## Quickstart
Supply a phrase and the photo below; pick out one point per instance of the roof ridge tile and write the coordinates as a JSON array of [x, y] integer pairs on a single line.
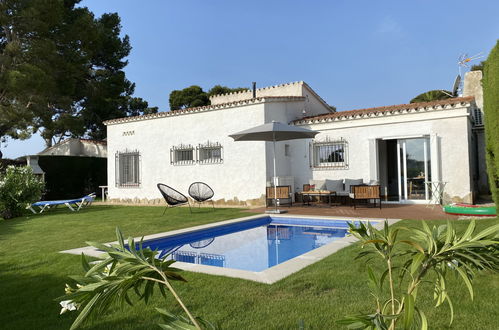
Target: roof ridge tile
[[387, 109], [260, 99]]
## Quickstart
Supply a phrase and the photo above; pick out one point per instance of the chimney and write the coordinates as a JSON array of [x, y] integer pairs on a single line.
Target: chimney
[[254, 89]]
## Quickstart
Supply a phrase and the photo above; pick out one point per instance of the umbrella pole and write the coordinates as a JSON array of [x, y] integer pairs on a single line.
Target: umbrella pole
[[275, 179]]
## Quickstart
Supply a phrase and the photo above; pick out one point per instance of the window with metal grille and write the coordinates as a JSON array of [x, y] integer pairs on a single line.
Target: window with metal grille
[[182, 155], [329, 154], [127, 169], [210, 153]]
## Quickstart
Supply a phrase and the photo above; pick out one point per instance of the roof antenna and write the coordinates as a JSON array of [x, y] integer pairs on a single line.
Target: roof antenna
[[254, 89], [462, 62]]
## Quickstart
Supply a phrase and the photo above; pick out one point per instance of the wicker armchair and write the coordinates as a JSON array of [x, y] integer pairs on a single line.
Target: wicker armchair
[[172, 197], [201, 192], [283, 193], [366, 193]]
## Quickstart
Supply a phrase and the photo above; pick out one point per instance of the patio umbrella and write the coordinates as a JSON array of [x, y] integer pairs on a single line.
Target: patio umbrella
[[274, 131]]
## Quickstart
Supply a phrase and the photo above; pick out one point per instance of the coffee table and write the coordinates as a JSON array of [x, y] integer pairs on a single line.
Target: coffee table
[[317, 193]]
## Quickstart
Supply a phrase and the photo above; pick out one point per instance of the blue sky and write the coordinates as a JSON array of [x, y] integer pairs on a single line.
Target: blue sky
[[355, 54]]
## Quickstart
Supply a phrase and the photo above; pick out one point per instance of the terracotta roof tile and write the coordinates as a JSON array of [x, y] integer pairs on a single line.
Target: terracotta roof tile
[[386, 109], [203, 108]]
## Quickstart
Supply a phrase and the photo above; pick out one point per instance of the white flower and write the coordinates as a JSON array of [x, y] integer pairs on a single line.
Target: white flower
[[67, 305], [107, 270]]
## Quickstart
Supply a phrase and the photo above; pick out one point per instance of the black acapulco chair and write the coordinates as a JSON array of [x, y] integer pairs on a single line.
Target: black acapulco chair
[[201, 192], [172, 197]]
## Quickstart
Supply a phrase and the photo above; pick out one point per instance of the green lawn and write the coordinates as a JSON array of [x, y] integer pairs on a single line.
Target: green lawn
[[33, 273]]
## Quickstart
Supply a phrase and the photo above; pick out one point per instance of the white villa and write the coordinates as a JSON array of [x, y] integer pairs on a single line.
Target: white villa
[[400, 146]]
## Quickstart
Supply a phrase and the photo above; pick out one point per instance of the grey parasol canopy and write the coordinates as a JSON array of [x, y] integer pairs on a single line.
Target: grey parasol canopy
[[274, 131]]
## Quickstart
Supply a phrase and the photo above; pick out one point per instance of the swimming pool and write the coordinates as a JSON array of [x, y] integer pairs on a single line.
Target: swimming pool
[[254, 245], [259, 248]]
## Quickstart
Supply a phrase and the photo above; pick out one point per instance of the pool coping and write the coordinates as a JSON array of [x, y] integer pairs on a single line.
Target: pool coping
[[268, 276]]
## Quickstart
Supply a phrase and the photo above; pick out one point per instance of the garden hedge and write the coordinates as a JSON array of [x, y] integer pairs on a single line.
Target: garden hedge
[[72, 177], [490, 85]]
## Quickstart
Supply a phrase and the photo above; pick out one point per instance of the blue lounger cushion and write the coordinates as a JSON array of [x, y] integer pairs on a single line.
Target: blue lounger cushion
[[77, 202]]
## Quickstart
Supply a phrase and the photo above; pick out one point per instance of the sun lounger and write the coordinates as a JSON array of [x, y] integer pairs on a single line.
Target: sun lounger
[[72, 204]]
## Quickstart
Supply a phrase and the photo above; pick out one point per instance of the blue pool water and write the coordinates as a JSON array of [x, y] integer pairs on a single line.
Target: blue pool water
[[253, 245]]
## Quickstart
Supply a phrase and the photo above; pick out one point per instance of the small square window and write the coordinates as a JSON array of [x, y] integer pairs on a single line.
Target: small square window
[[329, 154], [210, 153], [182, 155]]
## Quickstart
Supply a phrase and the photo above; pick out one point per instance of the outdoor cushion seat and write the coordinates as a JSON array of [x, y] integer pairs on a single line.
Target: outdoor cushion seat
[[352, 182], [172, 196], [334, 185]]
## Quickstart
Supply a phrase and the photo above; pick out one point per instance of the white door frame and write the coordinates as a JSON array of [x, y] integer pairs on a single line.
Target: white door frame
[[402, 160]]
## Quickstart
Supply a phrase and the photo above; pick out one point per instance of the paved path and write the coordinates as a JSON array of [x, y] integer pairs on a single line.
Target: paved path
[[389, 211]]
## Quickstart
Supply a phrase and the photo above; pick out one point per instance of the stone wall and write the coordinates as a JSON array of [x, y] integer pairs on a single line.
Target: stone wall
[[257, 202]]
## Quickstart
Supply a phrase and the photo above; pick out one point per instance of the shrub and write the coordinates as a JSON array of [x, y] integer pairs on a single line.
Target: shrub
[[408, 264], [122, 272], [19, 187], [490, 83]]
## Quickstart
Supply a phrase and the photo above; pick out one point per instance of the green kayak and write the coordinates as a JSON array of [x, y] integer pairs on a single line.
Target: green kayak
[[468, 209]]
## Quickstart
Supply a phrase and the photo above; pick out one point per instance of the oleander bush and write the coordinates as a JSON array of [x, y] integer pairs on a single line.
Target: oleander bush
[[19, 187], [404, 267], [123, 274]]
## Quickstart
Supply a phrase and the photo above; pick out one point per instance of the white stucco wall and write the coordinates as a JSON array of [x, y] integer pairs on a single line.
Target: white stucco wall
[[285, 113], [290, 89], [241, 175], [451, 127], [313, 105], [247, 166]]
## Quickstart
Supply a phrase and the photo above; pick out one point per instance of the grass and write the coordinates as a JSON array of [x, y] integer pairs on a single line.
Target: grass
[[33, 273]]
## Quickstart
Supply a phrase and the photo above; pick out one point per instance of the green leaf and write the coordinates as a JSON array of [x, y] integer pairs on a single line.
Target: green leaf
[[408, 311], [84, 263], [416, 262], [372, 279], [486, 232], [469, 231], [414, 244], [119, 236], [466, 280], [85, 312], [451, 307], [98, 267], [174, 321], [374, 241], [422, 319]]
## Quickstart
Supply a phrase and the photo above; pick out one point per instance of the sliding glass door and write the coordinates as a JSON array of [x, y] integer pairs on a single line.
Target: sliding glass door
[[414, 168]]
